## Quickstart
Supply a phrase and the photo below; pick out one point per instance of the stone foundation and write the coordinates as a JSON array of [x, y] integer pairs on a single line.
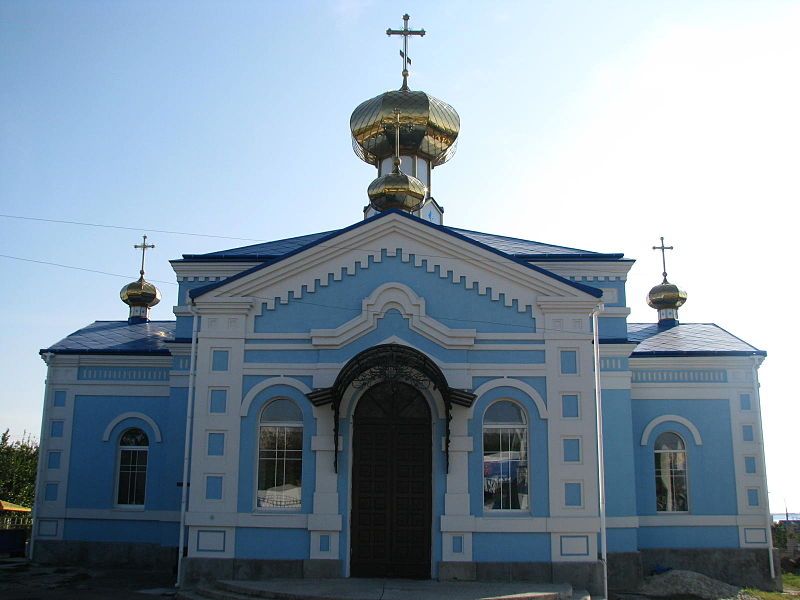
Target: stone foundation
[[582, 575], [106, 554], [196, 569]]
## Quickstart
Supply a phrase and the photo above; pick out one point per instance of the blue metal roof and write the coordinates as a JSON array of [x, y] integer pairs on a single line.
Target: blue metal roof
[[687, 339], [518, 248], [263, 251], [117, 337], [533, 250], [199, 291]]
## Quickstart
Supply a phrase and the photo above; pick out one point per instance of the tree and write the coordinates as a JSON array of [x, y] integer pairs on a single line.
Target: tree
[[18, 469]]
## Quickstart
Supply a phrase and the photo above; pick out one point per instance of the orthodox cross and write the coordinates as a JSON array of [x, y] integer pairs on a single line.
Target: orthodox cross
[[144, 247], [662, 247], [405, 32]]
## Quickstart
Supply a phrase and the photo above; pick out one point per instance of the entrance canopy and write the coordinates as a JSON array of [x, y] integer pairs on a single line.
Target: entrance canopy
[[390, 362]]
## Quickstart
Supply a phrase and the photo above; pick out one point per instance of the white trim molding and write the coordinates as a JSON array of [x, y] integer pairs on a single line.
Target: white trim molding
[[400, 297], [698, 440], [132, 415], [268, 383], [518, 385]]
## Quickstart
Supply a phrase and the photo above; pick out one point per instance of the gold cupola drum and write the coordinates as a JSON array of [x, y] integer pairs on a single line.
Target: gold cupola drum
[[140, 295], [425, 136], [666, 297]]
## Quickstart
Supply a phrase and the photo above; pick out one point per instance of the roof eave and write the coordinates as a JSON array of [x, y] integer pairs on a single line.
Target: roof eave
[[161, 352], [574, 257], [697, 353]]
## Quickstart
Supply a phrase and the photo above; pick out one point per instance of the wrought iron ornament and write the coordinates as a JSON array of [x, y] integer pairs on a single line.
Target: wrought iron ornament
[[392, 373], [390, 362]]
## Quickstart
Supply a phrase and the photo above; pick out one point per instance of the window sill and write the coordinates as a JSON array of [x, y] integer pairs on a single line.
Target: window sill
[[507, 512]]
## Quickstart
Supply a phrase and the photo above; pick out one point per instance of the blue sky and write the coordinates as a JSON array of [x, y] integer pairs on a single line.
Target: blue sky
[[596, 125]]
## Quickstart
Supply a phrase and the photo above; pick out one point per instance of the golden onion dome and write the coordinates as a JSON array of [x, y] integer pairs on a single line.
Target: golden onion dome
[[396, 190], [140, 293], [666, 295], [428, 127]]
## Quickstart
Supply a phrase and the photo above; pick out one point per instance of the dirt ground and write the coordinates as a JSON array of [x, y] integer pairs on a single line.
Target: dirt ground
[[21, 580]]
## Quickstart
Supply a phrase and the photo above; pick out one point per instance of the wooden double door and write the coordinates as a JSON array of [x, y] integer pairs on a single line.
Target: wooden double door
[[391, 497]]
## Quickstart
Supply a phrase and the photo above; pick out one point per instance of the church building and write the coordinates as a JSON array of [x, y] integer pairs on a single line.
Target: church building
[[405, 399]]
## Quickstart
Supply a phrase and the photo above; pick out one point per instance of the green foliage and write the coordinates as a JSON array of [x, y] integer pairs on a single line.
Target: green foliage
[[779, 536], [790, 580], [18, 469]]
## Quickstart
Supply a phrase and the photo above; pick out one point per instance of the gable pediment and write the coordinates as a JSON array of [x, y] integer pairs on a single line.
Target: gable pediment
[[434, 249]]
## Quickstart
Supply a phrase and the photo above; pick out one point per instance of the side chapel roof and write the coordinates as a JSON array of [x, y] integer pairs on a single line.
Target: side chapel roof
[[117, 337], [687, 339]]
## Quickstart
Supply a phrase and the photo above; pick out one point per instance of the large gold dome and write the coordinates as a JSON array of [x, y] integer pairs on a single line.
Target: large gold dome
[[140, 293], [428, 127], [666, 295]]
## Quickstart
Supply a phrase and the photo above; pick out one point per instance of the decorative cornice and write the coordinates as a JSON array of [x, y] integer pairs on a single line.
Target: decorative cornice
[[457, 259]]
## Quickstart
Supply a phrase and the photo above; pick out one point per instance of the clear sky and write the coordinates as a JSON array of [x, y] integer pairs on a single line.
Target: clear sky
[[598, 125]]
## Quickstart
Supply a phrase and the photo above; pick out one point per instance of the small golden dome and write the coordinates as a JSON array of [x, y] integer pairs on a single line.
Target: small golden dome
[[396, 190], [140, 293], [666, 295], [428, 127]]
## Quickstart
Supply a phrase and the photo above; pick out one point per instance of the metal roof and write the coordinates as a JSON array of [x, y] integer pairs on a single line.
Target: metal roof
[[117, 337], [263, 251], [533, 250], [687, 339], [518, 248]]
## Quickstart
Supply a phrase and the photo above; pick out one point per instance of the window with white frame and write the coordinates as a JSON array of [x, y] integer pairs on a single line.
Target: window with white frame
[[505, 457], [280, 455], [132, 472], [671, 480]]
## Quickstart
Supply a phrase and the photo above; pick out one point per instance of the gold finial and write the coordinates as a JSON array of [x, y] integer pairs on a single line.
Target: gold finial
[[144, 247], [662, 247], [405, 32]]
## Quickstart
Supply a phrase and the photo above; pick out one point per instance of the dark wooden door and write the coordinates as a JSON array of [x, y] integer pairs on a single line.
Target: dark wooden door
[[391, 504]]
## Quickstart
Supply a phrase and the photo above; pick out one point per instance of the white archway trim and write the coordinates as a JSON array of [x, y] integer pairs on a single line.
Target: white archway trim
[[698, 440], [519, 385], [267, 383], [132, 415], [393, 296]]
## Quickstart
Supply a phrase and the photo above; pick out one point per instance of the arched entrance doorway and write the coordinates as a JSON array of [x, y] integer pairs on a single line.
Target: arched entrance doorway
[[392, 456], [390, 524]]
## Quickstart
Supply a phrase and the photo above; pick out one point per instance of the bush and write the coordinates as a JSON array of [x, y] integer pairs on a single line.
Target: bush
[[18, 469]]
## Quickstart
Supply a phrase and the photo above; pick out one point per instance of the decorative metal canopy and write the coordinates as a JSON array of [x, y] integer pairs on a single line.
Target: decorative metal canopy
[[390, 362]]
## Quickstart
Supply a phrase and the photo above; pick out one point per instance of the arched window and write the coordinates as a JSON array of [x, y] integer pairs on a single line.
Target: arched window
[[132, 473], [505, 457], [671, 483], [280, 455]]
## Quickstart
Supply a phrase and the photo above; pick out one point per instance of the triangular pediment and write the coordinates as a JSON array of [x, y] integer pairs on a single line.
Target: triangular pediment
[[435, 249]]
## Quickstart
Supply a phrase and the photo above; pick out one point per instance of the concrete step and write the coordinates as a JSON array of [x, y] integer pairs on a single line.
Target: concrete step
[[582, 595], [379, 589]]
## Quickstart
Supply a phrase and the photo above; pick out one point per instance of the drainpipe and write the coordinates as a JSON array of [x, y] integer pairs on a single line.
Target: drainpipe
[[601, 478], [756, 390], [187, 443], [40, 461]]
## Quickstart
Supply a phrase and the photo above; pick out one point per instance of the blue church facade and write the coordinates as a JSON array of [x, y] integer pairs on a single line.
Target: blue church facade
[[400, 398]]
